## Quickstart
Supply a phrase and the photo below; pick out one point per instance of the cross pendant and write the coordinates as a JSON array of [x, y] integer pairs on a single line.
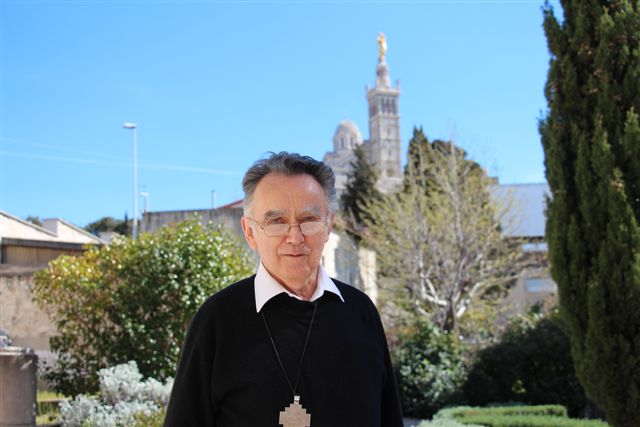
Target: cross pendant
[[295, 415]]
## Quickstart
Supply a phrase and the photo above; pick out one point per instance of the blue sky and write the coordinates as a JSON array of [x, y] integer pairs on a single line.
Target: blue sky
[[214, 85]]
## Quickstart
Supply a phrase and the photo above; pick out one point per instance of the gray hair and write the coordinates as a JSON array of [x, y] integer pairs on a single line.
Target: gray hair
[[290, 164]]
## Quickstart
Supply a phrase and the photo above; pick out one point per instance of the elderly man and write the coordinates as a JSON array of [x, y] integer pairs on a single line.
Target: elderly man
[[288, 346]]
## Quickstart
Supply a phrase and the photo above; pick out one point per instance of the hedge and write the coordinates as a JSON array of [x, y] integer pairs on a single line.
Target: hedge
[[529, 421], [445, 423], [467, 411], [508, 416]]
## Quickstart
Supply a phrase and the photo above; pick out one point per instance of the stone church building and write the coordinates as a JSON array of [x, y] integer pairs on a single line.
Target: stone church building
[[383, 148]]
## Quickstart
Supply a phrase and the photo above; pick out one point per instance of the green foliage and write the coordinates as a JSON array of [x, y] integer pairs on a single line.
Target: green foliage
[[132, 300], [34, 220], [446, 423], [429, 370], [531, 363], [360, 190], [107, 223], [439, 241], [421, 161], [529, 421], [154, 419], [461, 412], [512, 416], [591, 139]]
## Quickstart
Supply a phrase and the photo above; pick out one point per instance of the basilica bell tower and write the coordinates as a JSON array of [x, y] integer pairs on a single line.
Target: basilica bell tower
[[384, 148]]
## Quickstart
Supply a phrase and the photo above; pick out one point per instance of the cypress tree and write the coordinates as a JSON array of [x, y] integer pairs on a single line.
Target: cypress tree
[[591, 140], [360, 190]]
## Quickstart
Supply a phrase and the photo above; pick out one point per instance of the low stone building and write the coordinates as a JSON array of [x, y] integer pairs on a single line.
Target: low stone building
[[27, 248]]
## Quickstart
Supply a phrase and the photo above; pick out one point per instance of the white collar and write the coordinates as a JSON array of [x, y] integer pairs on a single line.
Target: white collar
[[266, 287]]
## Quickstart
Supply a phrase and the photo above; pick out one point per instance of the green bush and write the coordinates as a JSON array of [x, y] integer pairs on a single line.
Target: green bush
[[460, 412], [132, 300], [429, 370], [509, 416], [445, 423], [531, 364], [528, 421]]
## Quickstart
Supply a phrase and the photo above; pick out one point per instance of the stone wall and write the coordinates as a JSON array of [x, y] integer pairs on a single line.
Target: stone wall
[[25, 323], [230, 218]]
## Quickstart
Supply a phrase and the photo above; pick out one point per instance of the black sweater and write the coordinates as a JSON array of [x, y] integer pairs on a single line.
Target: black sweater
[[228, 374]]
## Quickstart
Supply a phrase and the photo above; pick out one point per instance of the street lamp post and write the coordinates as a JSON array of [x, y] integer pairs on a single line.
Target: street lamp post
[[134, 128]]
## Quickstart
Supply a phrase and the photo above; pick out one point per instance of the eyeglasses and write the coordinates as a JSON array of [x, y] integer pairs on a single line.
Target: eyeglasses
[[308, 228]]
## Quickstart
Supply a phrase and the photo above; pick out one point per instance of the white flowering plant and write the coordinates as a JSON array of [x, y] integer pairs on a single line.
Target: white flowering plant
[[124, 397]]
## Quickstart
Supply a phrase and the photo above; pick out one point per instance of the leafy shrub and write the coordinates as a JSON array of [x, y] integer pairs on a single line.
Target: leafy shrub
[[124, 400], [510, 416], [529, 421], [531, 364], [445, 423], [132, 300], [429, 370], [466, 411]]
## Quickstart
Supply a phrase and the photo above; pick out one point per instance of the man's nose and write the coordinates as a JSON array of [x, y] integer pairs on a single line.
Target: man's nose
[[294, 235]]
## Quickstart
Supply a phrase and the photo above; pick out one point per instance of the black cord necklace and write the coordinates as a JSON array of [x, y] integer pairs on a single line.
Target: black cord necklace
[[294, 415]]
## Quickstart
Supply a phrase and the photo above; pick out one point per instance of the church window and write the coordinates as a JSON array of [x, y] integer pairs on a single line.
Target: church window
[[352, 143], [341, 143]]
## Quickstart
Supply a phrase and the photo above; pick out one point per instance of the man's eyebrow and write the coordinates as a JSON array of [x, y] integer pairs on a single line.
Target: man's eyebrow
[[272, 214], [311, 210], [278, 213]]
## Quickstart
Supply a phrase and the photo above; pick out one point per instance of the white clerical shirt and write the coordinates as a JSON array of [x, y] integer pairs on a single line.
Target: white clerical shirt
[[266, 287]]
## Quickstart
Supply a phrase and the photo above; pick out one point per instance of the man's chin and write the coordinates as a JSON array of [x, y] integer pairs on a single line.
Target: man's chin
[[296, 271]]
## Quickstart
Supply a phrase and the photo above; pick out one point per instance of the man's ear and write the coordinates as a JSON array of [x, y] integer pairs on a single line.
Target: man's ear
[[249, 232]]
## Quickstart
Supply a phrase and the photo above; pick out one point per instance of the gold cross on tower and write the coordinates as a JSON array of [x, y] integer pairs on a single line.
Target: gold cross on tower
[[295, 415]]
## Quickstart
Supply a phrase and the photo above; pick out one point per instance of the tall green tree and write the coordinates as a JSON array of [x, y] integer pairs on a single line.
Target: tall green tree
[[360, 190], [591, 140], [420, 160]]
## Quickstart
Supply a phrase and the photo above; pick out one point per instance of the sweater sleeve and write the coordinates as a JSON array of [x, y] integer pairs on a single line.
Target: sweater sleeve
[[191, 402]]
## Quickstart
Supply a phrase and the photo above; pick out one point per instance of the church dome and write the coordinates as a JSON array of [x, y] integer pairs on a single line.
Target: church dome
[[347, 136]]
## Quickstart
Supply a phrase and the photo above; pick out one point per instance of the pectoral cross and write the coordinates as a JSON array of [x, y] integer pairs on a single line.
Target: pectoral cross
[[295, 415]]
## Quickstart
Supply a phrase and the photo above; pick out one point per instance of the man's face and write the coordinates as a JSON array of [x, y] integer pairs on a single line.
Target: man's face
[[292, 259]]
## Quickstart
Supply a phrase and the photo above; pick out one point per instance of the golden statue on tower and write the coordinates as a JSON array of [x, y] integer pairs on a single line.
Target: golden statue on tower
[[382, 46]]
